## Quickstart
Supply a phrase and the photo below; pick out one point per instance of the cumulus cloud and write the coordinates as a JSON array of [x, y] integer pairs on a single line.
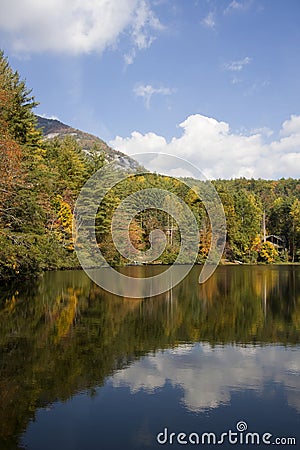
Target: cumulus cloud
[[237, 66], [147, 91], [220, 153], [208, 376], [291, 126], [80, 26]]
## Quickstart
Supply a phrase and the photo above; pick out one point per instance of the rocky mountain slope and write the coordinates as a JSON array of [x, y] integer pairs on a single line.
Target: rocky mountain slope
[[52, 128]]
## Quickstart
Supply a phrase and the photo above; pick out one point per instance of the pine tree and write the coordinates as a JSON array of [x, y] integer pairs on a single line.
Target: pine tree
[[16, 104]]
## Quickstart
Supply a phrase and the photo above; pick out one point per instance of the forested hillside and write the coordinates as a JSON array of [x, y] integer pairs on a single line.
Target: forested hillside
[[41, 179]]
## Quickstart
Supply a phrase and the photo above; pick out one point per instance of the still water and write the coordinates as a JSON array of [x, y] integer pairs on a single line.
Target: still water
[[82, 369]]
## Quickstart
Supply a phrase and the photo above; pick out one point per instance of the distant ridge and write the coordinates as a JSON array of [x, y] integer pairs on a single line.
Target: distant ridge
[[53, 128]]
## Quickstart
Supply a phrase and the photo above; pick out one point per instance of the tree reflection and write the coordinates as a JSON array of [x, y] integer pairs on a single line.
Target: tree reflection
[[64, 334]]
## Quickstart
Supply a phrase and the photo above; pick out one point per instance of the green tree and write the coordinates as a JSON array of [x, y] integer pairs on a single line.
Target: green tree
[[295, 216], [248, 212], [16, 110]]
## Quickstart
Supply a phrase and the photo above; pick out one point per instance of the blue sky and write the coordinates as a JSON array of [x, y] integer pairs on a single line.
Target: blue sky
[[213, 81]]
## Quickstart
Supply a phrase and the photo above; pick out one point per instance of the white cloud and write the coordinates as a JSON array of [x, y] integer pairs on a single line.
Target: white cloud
[[146, 91], [209, 20], [237, 6], [141, 30], [79, 26], [264, 131], [144, 16], [46, 116], [220, 153], [237, 66], [149, 142], [291, 126], [208, 376]]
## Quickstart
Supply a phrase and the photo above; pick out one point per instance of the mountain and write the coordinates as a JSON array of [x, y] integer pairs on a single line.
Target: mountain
[[53, 128]]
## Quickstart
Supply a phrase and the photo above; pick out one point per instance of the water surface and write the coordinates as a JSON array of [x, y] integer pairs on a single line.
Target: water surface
[[83, 369]]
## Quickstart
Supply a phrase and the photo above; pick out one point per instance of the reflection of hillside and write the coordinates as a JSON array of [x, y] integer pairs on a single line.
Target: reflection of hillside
[[65, 334]]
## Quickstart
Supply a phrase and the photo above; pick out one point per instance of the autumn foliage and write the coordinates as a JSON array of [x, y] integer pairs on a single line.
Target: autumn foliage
[[40, 182]]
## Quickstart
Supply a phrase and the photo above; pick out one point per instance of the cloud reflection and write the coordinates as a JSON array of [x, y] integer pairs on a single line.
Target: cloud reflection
[[209, 375]]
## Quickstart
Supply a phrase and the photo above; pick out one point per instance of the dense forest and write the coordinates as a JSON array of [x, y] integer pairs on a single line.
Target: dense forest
[[41, 180]]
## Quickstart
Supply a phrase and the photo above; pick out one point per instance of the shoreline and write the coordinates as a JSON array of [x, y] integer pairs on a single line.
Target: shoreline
[[33, 276]]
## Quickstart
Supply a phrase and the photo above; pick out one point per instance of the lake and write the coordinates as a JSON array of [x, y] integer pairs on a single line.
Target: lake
[[198, 366]]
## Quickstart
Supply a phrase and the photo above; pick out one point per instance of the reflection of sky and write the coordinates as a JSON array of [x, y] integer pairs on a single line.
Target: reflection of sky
[[256, 384], [208, 375]]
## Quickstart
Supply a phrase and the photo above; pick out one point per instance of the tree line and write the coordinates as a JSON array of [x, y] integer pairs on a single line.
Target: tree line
[[41, 180]]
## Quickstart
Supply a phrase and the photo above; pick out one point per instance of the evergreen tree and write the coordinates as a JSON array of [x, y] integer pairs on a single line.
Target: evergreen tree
[[16, 103]]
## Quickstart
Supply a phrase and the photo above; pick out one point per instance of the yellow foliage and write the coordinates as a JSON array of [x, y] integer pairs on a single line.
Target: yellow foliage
[[268, 252], [66, 313], [65, 221], [295, 214], [256, 243]]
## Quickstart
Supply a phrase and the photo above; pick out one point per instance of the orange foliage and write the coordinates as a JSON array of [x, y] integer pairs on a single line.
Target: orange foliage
[[10, 167], [10, 154]]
